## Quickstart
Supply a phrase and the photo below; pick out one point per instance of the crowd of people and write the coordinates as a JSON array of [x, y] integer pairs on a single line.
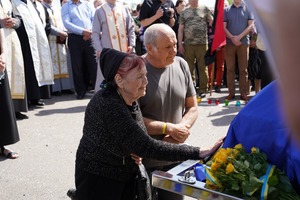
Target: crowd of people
[[151, 68]]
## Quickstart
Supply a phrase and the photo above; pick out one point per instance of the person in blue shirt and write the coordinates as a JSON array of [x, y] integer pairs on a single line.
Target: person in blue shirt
[[77, 16], [238, 22]]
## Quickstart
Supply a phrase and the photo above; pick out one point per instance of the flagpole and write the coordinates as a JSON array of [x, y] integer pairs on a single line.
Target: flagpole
[[212, 77], [219, 37]]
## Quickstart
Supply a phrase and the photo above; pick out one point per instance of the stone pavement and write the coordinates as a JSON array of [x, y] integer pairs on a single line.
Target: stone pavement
[[50, 137]]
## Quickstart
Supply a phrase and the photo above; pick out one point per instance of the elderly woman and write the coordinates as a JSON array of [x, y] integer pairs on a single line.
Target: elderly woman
[[114, 130]]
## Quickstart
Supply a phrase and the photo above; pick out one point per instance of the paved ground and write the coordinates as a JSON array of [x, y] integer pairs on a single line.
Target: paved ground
[[49, 139]]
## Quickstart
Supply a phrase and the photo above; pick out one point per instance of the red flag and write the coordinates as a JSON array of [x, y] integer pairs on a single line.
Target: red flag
[[218, 26]]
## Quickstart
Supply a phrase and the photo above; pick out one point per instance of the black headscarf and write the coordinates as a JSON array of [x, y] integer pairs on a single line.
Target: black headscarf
[[110, 61]]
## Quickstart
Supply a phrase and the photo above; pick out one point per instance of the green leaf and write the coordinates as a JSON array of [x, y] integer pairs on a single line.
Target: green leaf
[[239, 165], [246, 163], [209, 163], [235, 186], [255, 181], [239, 176], [257, 167], [273, 193], [273, 180], [284, 180]]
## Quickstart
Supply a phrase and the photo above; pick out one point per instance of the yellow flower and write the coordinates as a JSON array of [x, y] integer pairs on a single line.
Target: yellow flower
[[214, 166], [216, 154], [235, 152], [254, 150], [233, 171], [229, 151], [238, 146], [222, 158], [229, 168]]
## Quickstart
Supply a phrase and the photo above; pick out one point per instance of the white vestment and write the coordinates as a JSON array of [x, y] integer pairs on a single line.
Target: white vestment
[[39, 45], [115, 35], [14, 56], [116, 27], [58, 51]]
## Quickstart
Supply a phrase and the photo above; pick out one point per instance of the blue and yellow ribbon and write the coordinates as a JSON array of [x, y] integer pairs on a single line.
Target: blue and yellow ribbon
[[211, 177], [265, 178], [265, 186]]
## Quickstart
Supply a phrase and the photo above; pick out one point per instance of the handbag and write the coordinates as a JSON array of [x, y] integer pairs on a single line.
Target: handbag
[[254, 64], [209, 58], [142, 184]]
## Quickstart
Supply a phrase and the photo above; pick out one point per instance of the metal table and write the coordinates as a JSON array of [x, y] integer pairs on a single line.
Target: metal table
[[180, 180]]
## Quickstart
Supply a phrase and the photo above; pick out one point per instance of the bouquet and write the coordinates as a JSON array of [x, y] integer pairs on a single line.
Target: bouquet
[[247, 175]]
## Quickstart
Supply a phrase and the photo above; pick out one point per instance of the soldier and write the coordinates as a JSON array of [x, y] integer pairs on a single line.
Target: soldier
[[193, 32]]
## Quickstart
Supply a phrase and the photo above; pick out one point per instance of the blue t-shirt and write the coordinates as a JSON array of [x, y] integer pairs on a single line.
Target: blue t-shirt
[[237, 21]]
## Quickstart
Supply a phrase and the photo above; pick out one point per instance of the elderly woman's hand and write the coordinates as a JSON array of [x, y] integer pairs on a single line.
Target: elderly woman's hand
[[211, 150], [137, 159]]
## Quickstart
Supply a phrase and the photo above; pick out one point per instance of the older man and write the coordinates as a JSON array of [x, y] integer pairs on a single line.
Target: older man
[[169, 107]]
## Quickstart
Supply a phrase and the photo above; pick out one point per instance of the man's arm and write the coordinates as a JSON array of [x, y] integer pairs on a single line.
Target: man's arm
[[227, 32], [154, 127], [17, 21], [175, 133], [191, 111], [247, 30], [180, 39], [13, 22], [234, 39], [96, 32], [72, 28], [210, 17], [87, 33], [130, 31], [47, 21], [2, 49], [148, 21], [172, 21]]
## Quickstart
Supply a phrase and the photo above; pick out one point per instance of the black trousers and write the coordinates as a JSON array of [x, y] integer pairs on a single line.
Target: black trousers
[[9, 131], [94, 187], [83, 61], [266, 71]]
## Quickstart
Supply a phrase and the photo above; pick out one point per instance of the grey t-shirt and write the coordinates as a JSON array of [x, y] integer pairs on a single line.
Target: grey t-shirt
[[165, 96]]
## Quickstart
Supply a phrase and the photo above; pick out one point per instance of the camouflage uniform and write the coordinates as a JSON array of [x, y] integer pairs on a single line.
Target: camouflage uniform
[[195, 41]]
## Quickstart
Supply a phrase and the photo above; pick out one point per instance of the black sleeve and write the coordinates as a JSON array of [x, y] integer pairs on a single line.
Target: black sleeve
[[144, 11], [48, 25]]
